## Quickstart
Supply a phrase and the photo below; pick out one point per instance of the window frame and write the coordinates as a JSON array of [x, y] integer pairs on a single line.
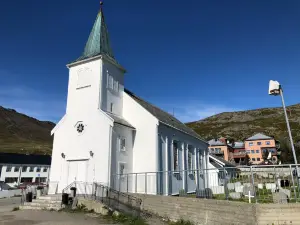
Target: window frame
[[252, 151], [122, 147], [45, 169], [31, 169], [175, 163], [38, 169], [16, 169], [259, 143], [253, 159], [251, 143], [257, 151], [258, 159], [190, 160], [268, 142], [121, 176]]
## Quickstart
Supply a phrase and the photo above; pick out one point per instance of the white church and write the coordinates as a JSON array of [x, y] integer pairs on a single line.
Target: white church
[[108, 132]]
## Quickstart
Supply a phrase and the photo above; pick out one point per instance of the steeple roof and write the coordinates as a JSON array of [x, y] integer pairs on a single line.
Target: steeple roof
[[98, 42]]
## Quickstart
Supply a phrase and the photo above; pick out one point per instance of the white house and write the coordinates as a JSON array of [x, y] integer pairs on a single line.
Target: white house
[[20, 168], [108, 130]]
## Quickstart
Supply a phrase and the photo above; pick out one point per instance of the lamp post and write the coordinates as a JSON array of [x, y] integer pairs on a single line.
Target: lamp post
[[276, 89]]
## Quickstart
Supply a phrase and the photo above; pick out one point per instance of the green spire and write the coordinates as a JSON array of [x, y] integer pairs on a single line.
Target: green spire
[[98, 42]]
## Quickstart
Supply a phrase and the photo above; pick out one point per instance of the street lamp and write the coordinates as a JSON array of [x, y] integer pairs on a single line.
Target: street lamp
[[276, 89]]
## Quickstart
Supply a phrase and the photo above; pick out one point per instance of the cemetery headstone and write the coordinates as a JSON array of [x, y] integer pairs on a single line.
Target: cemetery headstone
[[239, 189], [246, 190], [260, 186], [270, 186], [235, 195], [230, 186], [280, 197], [237, 184]]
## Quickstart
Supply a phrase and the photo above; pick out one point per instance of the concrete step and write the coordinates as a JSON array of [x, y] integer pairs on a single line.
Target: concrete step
[[25, 207], [49, 197], [46, 201], [43, 205]]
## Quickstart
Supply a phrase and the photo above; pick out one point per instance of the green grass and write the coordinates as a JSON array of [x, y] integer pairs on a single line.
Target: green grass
[[181, 222], [128, 219]]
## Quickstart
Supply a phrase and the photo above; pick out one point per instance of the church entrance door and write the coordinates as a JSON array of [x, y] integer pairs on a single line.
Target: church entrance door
[[77, 171]]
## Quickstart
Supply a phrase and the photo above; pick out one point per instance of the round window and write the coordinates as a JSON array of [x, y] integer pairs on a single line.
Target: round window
[[80, 128]]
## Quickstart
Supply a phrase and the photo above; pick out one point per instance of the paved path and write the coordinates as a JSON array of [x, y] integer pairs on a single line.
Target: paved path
[[29, 217], [7, 204]]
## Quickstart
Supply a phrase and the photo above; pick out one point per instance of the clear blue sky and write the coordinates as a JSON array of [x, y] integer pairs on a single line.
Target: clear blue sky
[[198, 57]]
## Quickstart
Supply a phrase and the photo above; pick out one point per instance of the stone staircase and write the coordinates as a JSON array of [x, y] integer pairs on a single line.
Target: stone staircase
[[48, 202]]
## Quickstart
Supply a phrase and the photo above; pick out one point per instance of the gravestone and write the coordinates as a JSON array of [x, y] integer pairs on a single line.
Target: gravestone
[[247, 184], [239, 189], [237, 184], [286, 191], [217, 190], [230, 186], [235, 195], [260, 186], [246, 190], [270, 186], [280, 197]]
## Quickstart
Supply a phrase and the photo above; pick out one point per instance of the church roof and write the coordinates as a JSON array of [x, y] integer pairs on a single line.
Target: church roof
[[163, 116], [98, 42], [119, 120]]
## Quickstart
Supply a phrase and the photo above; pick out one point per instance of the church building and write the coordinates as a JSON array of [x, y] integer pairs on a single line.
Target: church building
[[108, 131]]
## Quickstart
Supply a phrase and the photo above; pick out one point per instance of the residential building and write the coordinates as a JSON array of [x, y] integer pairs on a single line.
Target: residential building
[[239, 153], [108, 131], [258, 143], [19, 168], [221, 148]]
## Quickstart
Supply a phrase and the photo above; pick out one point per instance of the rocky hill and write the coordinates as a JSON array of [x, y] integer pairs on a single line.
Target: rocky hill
[[243, 124], [23, 134]]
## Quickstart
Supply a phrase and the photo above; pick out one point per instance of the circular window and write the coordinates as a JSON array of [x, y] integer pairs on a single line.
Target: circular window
[[80, 128]]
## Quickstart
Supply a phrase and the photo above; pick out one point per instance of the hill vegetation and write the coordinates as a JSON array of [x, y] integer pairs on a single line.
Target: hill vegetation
[[23, 134]]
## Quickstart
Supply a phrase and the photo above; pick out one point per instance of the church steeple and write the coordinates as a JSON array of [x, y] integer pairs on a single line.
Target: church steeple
[[98, 42]]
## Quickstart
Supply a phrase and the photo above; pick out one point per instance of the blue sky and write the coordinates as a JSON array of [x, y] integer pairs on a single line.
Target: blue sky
[[196, 57]]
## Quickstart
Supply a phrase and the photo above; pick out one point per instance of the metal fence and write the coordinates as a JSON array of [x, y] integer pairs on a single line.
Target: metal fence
[[255, 184], [113, 199]]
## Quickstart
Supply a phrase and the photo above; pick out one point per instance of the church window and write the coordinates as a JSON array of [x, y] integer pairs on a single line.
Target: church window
[[111, 107], [190, 160], [175, 156], [121, 169], [116, 84], [122, 144], [111, 82]]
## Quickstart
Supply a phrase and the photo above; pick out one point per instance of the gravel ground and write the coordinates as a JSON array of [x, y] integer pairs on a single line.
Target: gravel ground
[[28, 217]]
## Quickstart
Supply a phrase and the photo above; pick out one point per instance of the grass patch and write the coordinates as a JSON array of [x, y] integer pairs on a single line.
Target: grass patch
[[128, 220], [15, 209], [181, 222]]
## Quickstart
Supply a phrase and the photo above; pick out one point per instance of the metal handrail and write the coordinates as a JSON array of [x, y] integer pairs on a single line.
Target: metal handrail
[[70, 185]]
